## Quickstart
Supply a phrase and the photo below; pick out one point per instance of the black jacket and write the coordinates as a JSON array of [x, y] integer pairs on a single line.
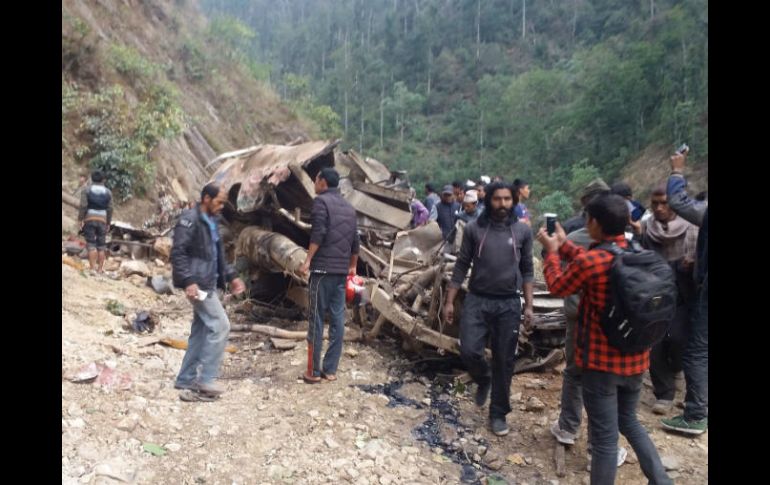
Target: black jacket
[[192, 255], [445, 214], [335, 230]]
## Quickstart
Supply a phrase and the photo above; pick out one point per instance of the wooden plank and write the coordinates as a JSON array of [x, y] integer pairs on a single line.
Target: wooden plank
[[558, 457], [377, 326], [372, 260], [304, 178], [388, 308], [547, 303], [379, 190], [435, 294], [298, 295], [381, 211], [407, 263], [371, 173]]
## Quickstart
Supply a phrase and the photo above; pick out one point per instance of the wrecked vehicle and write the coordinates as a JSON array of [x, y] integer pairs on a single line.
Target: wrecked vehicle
[[270, 195]]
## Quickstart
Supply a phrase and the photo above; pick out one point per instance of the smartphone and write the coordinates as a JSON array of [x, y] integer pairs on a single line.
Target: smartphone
[[550, 223]]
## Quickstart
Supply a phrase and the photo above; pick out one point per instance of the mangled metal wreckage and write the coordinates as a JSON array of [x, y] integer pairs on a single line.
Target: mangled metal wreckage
[[270, 190]]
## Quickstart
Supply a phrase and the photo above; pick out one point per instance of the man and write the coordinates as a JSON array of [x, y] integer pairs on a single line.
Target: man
[[82, 185], [332, 255], [95, 216], [467, 213], [459, 191], [522, 187], [594, 187], [635, 208], [444, 211], [470, 210], [500, 248], [695, 360], [673, 238], [566, 427], [432, 198], [482, 195], [199, 266], [612, 381]]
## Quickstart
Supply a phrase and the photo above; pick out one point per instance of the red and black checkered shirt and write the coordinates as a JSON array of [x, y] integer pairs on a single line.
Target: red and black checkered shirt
[[588, 270]]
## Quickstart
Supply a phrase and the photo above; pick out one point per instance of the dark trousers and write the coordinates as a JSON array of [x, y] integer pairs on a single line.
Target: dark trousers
[[695, 360], [496, 320], [611, 402], [666, 356]]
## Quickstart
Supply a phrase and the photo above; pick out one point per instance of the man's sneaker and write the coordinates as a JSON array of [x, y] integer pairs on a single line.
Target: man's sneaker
[[482, 392], [662, 406], [563, 437], [622, 454], [499, 426], [682, 425], [212, 388], [191, 395]]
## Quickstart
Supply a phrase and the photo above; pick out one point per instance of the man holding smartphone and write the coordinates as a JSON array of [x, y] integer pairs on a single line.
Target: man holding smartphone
[[695, 359]]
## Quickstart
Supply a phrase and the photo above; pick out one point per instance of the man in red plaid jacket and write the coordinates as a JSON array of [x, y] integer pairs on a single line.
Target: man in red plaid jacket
[[612, 381]]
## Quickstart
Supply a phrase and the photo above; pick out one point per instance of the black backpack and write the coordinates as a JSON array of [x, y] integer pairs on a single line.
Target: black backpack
[[642, 300], [98, 198]]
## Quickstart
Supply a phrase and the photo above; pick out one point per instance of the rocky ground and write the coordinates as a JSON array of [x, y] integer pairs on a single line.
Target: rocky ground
[[387, 420]]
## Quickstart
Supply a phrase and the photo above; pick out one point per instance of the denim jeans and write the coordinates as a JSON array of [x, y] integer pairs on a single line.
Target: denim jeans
[[206, 345], [326, 292], [571, 413], [496, 320], [611, 401], [695, 360]]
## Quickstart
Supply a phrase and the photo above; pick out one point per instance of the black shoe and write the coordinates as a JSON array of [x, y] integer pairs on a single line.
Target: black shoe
[[499, 426], [482, 392]]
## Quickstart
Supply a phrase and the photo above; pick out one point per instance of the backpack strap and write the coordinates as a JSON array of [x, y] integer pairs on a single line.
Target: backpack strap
[[611, 248]]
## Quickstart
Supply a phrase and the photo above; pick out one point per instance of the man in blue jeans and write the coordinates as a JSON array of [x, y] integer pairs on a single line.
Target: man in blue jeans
[[332, 255], [199, 266], [695, 359]]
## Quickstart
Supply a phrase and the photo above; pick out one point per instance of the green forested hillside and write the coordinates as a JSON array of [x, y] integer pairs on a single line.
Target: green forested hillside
[[554, 91]]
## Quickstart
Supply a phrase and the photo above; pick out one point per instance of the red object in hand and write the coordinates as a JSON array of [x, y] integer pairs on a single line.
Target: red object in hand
[[354, 289]]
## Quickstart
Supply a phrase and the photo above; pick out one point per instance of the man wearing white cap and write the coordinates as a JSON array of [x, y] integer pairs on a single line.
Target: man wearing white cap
[[470, 207]]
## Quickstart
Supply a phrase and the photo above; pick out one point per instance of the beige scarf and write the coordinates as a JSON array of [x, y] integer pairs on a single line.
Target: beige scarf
[[674, 239]]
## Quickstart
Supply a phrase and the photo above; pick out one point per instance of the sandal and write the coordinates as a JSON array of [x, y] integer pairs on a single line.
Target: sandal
[[329, 377], [311, 379]]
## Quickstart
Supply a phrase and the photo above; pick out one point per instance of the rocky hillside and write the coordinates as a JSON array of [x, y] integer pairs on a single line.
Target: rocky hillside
[[151, 94]]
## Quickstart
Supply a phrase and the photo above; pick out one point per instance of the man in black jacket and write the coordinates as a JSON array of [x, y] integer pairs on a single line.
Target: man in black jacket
[[500, 248], [332, 255], [445, 211], [199, 266]]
